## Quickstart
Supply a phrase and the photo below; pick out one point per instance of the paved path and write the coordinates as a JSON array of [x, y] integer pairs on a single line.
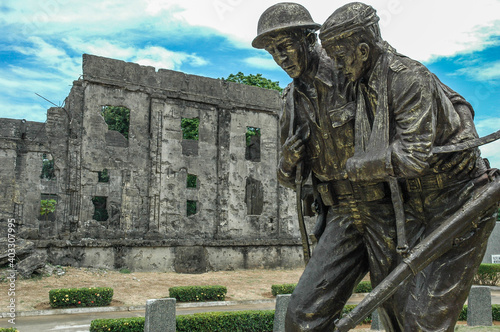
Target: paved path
[[80, 322]]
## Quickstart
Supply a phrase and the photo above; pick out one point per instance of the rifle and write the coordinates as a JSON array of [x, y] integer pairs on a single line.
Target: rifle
[[302, 226], [432, 247]]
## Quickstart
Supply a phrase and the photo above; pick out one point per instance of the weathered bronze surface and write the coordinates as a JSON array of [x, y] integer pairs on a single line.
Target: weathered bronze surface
[[383, 141]]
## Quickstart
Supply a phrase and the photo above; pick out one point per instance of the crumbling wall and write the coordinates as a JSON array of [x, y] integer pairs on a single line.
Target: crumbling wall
[[243, 218], [21, 155]]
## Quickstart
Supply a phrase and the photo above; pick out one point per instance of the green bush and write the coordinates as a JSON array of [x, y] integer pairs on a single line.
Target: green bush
[[198, 293], [495, 311], [463, 314], [80, 297], [8, 329], [363, 287], [487, 274], [135, 324], [282, 289], [255, 320]]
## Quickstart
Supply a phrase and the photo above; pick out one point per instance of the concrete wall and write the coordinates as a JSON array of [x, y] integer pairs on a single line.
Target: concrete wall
[[244, 219]]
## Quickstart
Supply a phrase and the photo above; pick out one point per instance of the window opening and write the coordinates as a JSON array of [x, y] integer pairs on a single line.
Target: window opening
[[117, 118], [190, 128], [103, 176], [100, 210], [254, 196], [191, 208], [191, 181], [252, 151], [47, 168]]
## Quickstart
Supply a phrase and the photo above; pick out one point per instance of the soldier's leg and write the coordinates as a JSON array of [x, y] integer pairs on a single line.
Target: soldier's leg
[[381, 240], [437, 294], [337, 264]]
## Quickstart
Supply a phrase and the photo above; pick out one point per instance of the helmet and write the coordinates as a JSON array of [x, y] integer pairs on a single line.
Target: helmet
[[283, 16]]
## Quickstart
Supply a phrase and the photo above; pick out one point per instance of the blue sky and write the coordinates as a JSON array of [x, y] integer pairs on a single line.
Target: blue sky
[[42, 43]]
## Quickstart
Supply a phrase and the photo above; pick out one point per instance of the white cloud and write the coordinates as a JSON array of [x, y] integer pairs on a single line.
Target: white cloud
[[491, 151], [262, 63], [485, 72], [160, 57], [156, 56], [30, 111], [420, 29], [44, 56], [100, 47], [488, 125]]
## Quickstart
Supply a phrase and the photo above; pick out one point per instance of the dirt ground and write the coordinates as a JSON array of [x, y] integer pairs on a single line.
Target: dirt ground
[[137, 287]]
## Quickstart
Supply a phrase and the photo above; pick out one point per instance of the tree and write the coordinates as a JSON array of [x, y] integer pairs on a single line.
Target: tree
[[190, 128], [255, 80], [117, 118], [251, 131], [47, 206]]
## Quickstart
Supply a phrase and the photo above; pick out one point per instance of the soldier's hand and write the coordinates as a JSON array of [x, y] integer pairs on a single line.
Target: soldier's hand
[[293, 152]]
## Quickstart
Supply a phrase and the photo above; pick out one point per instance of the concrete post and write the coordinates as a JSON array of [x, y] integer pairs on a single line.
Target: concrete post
[[479, 306], [160, 315], [376, 323], [280, 312]]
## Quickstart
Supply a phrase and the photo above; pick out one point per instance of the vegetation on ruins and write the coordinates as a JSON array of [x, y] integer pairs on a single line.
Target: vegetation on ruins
[[190, 128], [47, 206], [117, 118]]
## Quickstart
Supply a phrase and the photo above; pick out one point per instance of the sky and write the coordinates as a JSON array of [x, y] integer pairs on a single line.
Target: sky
[[42, 42]]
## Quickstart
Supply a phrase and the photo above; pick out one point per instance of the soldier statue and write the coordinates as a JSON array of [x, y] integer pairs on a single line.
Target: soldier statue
[[371, 136]]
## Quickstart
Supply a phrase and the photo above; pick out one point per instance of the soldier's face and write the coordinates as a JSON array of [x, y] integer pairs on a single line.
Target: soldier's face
[[348, 60], [289, 53]]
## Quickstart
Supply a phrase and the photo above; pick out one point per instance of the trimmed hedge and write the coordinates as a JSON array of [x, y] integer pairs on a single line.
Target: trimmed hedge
[[198, 293], [362, 287], [8, 329], [487, 274], [80, 297], [282, 289], [255, 320], [135, 324]]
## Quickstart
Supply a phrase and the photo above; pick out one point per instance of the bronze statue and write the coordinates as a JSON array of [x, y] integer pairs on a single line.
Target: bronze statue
[[355, 224], [393, 158]]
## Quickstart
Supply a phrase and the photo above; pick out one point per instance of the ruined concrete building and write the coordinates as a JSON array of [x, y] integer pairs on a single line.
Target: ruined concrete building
[[152, 200]]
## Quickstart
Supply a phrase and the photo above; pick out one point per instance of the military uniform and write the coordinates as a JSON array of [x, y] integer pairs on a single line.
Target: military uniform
[[407, 111], [359, 234]]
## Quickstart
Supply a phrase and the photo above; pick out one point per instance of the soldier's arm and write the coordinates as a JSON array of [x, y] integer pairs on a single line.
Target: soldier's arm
[[414, 110]]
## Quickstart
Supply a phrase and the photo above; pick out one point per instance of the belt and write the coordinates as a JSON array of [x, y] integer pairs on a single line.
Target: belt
[[431, 182], [345, 189]]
